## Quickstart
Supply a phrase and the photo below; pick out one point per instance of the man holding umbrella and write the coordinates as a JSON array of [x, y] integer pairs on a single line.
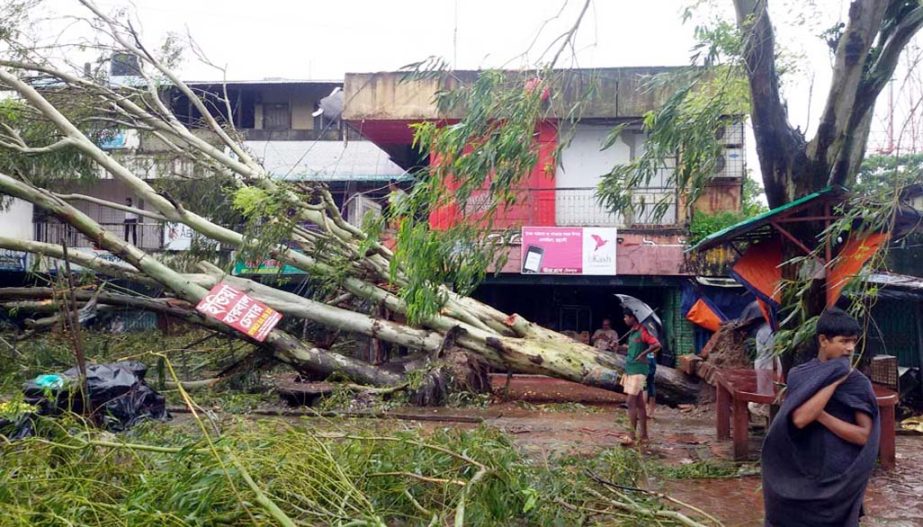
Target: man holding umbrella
[[640, 344]]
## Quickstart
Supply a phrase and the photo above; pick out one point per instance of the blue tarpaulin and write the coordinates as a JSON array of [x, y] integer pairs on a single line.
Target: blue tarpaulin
[[726, 302]]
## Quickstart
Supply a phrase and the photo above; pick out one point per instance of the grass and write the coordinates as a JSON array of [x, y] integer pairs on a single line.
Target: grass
[[237, 470], [172, 475], [705, 469]]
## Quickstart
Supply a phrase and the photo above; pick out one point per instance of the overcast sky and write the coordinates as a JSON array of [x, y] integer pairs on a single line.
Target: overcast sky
[[325, 39]]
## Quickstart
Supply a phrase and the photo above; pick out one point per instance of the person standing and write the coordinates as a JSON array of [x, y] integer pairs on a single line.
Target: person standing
[[605, 338], [650, 390], [822, 447], [640, 344], [131, 224], [768, 367]]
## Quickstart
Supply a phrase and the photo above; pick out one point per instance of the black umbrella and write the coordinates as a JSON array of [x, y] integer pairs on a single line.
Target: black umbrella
[[647, 318], [639, 309]]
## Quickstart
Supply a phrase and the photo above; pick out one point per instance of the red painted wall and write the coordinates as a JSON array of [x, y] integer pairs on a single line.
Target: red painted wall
[[536, 203]]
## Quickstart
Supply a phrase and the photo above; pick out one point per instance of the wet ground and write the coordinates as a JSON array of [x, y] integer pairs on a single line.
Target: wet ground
[[548, 416]]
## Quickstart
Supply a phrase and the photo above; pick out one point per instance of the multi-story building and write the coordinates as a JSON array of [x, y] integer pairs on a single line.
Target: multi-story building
[[278, 122], [545, 278]]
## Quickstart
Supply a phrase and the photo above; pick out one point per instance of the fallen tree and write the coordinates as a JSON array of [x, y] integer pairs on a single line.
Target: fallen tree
[[299, 216]]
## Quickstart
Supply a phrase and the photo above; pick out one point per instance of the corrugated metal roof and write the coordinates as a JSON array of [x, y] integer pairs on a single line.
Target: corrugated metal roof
[[751, 224], [325, 160], [896, 280]]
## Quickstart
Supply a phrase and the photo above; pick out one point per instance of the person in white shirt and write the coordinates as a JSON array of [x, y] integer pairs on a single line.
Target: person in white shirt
[[605, 338], [131, 224], [767, 365]]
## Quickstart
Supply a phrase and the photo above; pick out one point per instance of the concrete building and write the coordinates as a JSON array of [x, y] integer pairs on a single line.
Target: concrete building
[[277, 123], [646, 258]]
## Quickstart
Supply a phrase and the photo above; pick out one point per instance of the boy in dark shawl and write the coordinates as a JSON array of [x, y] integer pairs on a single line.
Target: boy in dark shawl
[[822, 446]]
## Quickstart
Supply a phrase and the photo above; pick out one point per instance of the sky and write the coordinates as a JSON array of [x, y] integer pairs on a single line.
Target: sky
[[324, 39]]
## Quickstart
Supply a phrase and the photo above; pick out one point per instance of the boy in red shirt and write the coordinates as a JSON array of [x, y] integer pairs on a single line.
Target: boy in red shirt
[[640, 344]]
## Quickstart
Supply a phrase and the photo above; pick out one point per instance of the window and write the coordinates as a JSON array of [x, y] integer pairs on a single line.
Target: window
[[277, 116]]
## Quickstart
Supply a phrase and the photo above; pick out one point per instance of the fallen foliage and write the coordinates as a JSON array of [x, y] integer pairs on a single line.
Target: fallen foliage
[[280, 472]]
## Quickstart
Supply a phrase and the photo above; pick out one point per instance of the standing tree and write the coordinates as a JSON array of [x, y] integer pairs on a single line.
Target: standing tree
[[866, 54], [741, 73]]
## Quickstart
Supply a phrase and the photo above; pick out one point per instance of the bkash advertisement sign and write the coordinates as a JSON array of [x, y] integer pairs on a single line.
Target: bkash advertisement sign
[[569, 250]]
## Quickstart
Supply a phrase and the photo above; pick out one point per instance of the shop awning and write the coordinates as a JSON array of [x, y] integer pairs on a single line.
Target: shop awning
[[761, 226]]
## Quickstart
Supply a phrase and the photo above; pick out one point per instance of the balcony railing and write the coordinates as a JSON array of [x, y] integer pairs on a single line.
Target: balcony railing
[[581, 207], [573, 207], [148, 236]]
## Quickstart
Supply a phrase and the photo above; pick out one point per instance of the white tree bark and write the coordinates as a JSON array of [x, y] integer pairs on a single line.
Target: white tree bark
[[501, 340]]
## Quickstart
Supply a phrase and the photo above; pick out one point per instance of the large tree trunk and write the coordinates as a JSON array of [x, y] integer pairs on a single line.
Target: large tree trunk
[[866, 56]]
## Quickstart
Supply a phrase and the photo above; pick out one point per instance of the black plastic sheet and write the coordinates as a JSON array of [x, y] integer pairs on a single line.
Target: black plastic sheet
[[118, 397]]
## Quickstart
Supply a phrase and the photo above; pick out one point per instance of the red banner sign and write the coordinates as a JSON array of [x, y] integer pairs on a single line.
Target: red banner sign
[[233, 307]]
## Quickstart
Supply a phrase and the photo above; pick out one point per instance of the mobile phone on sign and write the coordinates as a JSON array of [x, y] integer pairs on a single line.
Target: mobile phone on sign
[[533, 260]]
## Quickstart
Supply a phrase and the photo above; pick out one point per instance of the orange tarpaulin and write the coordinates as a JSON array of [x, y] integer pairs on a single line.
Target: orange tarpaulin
[[700, 313], [759, 269], [852, 257]]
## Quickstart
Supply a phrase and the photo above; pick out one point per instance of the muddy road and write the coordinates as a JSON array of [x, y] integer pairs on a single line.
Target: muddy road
[[550, 417]]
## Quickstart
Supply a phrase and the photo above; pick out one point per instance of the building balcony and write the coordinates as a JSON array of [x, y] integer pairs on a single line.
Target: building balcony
[[149, 235], [567, 207]]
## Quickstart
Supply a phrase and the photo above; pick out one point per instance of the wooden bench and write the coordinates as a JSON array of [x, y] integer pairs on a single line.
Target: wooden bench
[[737, 387]]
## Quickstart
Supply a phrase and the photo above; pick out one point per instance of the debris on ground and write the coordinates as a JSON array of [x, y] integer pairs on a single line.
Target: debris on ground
[[117, 396]]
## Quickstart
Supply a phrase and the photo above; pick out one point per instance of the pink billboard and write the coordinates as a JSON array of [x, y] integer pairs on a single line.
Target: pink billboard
[[568, 250]]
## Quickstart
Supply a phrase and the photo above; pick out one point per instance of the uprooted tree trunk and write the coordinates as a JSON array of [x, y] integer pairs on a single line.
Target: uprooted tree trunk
[[538, 350], [331, 248]]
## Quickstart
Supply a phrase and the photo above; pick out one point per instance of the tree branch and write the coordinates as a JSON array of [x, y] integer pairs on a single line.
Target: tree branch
[[112, 205], [569, 36], [22, 148], [881, 71], [14, 141], [841, 110], [206, 115]]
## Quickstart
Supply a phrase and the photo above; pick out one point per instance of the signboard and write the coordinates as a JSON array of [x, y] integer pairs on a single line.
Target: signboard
[[56, 265], [234, 308], [271, 266], [568, 250], [177, 237], [13, 260]]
